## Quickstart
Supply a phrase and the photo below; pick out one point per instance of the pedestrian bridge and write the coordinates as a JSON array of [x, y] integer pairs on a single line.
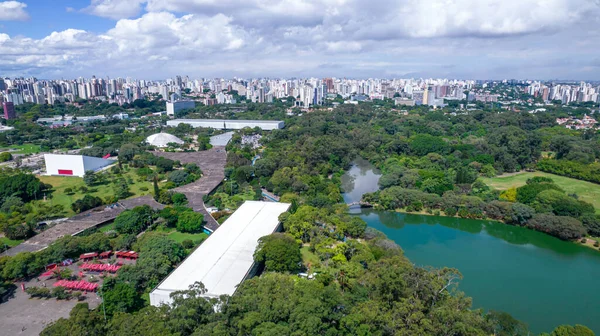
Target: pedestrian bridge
[[359, 204]]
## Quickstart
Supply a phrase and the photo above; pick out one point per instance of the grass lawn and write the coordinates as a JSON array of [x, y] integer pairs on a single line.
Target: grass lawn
[[587, 191], [180, 236], [24, 149], [107, 227], [60, 183], [9, 242], [308, 257]]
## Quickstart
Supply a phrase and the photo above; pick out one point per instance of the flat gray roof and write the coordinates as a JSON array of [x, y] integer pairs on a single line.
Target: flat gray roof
[[269, 122]]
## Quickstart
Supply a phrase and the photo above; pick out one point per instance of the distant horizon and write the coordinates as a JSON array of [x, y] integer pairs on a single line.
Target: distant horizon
[[559, 81]]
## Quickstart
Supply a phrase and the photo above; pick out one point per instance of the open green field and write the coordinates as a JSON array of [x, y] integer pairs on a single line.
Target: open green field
[[23, 149], [60, 183], [587, 191], [180, 236], [9, 242]]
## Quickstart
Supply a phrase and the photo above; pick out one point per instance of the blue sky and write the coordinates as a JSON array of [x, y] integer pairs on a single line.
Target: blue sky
[[479, 39]]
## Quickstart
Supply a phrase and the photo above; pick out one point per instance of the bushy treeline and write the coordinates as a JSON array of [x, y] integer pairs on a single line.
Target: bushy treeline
[[574, 169], [539, 205]]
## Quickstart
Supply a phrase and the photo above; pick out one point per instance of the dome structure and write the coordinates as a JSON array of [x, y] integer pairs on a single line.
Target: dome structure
[[161, 140]]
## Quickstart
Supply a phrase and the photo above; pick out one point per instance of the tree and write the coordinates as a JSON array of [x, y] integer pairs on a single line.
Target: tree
[[150, 321], [121, 189], [11, 203], [503, 324], [156, 189], [164, 165], [179, 199], [190, 222], [127, 152], [526, 194], [178, 177], [279, 252], [567, 330], [520, 213], [86, 203], [89, 178], [565, 228], [25, 186], [134, 221], [81, 321], [424, 144], [121, 298], [5, 156]]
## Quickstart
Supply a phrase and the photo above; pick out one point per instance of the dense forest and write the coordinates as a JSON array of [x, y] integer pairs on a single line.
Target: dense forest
[[364, 285]]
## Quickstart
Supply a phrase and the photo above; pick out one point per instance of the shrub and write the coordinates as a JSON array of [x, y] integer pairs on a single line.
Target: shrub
[[190, 222], [188, 244], [60, 293], [597, 244], [583, 240], [565, 228], [144, 188], [86, 203]]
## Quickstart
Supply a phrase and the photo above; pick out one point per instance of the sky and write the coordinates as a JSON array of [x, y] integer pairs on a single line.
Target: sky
[[155, 39]]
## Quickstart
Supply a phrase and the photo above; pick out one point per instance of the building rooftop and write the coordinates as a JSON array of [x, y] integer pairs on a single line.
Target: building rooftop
[[163, 139], [266, 122], [225, 259]]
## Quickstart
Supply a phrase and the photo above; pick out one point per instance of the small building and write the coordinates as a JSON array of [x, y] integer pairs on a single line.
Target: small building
[[161, 140], [73, 165], [9, 111], [225, 259], [266, 125], [174, 106]]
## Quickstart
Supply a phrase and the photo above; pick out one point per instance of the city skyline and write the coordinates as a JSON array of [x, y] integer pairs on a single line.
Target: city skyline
[[468, 39]]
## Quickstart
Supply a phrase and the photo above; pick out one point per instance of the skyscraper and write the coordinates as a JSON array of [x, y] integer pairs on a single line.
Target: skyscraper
[[9, 111]]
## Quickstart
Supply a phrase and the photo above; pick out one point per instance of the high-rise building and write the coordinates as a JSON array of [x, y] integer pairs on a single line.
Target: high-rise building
[[9, 111]]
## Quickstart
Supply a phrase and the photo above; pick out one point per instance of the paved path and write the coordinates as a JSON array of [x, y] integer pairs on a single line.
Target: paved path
[[79, 223], [211, 162]]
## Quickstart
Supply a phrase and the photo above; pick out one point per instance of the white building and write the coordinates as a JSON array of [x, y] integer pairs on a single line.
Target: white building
[[225, 259], [266, 125], [73, 165], [162, 140], [173, 107]]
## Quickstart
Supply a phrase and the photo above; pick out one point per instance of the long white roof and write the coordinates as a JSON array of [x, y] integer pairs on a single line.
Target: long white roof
[[224, 259]]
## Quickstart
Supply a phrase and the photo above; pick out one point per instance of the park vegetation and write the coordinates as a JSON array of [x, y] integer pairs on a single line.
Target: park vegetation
[[364, 285]]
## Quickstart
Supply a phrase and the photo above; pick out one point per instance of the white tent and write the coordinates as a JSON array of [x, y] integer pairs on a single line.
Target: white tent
[[162, 139]]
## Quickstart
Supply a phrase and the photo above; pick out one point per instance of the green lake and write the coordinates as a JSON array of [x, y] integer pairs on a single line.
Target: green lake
[[536, 278]]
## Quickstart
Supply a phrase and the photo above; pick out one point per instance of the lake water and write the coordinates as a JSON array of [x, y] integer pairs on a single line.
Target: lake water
[[536, 278]]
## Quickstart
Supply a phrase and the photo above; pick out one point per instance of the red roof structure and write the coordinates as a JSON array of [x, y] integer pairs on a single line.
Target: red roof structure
[[90, 255]]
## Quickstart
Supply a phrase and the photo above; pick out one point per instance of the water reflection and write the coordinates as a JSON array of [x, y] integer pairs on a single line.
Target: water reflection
[[360, 179]]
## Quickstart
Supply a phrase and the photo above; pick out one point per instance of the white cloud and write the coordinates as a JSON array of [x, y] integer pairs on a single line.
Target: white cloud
[[13, 11], [115, 9], [164, 33], [294, 37]]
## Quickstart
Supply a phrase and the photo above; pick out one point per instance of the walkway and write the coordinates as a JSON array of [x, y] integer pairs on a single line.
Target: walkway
[[80, 223], [211, 162]]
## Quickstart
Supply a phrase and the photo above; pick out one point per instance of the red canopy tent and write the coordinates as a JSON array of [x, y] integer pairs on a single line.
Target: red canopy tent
[[78, 285], [105, 255], [87, 256]]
